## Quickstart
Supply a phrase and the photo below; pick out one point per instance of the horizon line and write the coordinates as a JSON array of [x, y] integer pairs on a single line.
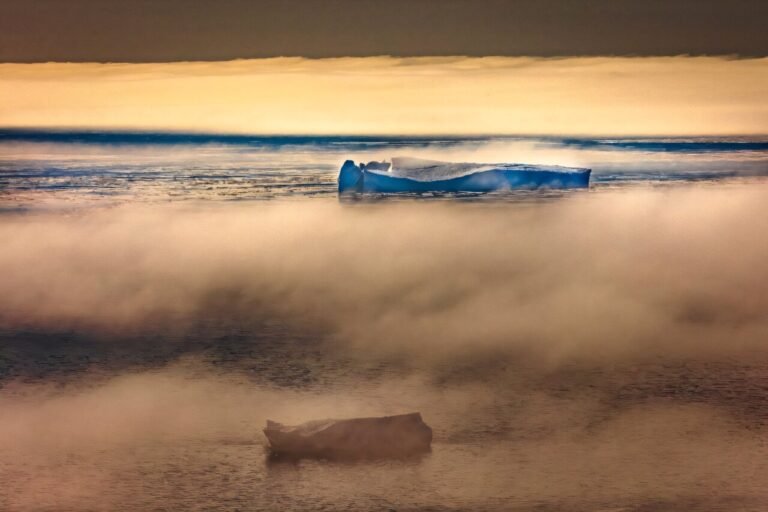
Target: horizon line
[[170, 132], [725, 56]]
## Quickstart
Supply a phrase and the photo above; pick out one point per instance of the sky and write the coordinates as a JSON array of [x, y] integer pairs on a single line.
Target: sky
[[386, 95], [176, 30], [594, 67]]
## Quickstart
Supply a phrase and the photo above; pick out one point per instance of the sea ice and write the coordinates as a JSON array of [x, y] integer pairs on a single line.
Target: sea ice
[[407, 174], [388, 436]]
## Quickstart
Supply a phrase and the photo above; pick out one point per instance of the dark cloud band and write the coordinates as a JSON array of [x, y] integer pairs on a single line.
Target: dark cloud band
[[173, 30]]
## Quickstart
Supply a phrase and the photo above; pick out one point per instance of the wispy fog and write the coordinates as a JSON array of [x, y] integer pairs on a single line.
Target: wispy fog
[[605, 351], [185, 437], [594, 275]]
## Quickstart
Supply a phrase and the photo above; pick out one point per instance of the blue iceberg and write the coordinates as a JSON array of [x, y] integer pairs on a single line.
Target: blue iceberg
[[407, 174]]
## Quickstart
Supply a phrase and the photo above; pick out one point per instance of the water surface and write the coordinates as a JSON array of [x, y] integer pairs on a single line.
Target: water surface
[[162, 295]]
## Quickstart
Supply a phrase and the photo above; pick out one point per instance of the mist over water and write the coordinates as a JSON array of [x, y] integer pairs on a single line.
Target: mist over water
[[598, 350]]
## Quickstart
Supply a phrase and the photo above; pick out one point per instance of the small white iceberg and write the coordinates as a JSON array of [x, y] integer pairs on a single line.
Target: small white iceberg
[[407, 174], [403, 435]]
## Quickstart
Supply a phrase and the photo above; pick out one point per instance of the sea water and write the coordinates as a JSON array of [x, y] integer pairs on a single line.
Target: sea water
[[38, 167], [163, 295]]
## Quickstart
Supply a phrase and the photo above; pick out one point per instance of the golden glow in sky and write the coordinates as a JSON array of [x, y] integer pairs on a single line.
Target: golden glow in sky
[[385, 95]]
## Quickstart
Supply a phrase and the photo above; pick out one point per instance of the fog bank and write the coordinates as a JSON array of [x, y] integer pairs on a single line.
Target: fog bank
[[601, 351], [677, 270]]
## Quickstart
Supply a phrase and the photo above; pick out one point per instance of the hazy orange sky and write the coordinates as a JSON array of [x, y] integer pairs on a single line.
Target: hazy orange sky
[[386, 95]]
